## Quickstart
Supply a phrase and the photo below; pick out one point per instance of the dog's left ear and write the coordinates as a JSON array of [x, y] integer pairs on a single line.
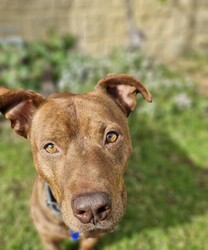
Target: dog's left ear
[[123, 89], [19, 106]]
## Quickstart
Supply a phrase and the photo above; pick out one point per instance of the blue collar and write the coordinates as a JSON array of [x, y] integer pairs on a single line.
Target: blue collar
[[51, 201]]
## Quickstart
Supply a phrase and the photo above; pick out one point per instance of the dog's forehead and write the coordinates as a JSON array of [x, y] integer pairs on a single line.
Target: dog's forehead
[[69, 113], [82, 106]]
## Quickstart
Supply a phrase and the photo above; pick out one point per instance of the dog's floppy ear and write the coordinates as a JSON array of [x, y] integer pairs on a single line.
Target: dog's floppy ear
[[18, 106], [123, 89]]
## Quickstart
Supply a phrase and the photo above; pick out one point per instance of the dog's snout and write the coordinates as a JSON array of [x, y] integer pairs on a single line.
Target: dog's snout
[[92, 207]]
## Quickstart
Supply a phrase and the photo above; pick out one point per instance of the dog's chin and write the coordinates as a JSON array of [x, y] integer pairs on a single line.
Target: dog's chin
[[96, 232]]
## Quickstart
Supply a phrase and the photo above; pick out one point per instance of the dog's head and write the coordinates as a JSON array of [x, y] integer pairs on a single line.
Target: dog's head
[[81, 146]]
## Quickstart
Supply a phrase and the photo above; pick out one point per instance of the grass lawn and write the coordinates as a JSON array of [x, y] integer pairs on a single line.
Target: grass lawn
[[167, 178]]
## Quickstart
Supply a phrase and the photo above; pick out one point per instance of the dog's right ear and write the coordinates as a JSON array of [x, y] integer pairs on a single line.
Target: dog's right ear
[[123, 89], [19, 106]]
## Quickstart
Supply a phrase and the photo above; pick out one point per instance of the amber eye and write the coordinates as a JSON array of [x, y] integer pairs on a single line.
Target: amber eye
[[50, 148], [111, 137]]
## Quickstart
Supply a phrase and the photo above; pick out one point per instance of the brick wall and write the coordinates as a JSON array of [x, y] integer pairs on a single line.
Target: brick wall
[[100, 25]]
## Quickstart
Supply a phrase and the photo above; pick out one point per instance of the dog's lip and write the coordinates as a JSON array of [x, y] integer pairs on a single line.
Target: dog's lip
[[94, 229], [97, 232]]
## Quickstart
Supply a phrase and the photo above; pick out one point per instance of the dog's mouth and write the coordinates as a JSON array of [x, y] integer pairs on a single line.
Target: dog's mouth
[[91, 230]]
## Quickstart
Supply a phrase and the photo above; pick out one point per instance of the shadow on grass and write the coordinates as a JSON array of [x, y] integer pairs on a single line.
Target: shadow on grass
[[165, 188]]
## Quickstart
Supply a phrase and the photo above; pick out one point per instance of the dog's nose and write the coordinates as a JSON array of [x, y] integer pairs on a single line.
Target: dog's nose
[[92, 207]]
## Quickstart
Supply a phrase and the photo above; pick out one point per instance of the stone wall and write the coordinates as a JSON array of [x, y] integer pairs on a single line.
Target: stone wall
[[169, 27]]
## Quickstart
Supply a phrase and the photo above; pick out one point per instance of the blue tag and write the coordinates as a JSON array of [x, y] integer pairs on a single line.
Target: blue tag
[[74, 235]]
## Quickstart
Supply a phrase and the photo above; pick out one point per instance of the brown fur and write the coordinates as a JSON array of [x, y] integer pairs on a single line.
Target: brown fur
[[84, 163]]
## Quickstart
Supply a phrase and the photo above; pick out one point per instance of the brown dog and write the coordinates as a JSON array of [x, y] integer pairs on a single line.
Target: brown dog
[[81, 146]]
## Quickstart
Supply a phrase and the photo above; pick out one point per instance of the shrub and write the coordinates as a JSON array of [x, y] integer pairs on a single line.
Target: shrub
[[28, 66]]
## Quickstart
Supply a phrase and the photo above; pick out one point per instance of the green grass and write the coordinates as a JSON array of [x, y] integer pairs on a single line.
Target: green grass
[[167, 178], [16, 179]]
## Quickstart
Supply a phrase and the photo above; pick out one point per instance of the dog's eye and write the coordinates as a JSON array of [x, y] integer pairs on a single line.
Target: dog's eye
[[50, 148], [111, 137]]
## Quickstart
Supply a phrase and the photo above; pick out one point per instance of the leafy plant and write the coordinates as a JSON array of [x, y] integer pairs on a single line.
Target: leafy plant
[[33, 63]]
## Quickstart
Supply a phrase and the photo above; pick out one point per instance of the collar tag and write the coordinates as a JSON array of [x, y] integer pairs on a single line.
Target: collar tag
[[74, 235]]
